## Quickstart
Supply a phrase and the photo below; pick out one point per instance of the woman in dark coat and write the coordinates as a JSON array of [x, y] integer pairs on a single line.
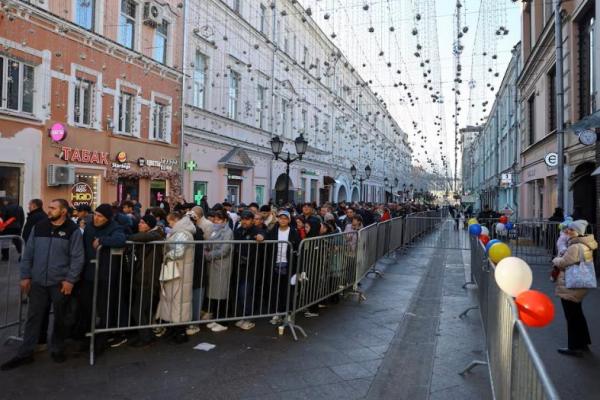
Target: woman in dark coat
[[147, 261]]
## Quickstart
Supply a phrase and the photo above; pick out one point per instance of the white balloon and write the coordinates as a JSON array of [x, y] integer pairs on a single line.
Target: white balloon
[[485, 231], [513, 276], [500, 228]]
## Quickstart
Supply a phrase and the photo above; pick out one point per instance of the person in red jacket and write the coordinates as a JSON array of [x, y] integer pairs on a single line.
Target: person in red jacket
[[386, 215]]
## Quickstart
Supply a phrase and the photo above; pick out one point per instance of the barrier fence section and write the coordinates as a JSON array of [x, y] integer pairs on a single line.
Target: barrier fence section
[[11, 305], [172, 284], [516, 370]]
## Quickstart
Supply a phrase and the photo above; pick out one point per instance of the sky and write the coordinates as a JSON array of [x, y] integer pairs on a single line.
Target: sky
[[417, 38]]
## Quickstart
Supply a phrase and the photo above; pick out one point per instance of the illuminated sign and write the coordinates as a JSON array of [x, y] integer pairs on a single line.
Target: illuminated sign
[[57, 132]]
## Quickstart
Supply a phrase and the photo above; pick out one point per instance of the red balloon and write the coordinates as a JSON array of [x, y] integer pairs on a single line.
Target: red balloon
[[484, 239], [535, 308], [503, 219]]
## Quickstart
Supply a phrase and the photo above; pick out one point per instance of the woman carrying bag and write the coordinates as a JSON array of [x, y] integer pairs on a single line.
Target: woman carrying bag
[[576, 275], [176, 276]]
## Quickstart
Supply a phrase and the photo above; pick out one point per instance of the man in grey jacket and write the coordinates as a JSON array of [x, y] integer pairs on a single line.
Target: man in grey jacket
[[51, 265]]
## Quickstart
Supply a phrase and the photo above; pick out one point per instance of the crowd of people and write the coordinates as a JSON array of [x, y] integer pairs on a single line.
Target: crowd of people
[[74, 257]]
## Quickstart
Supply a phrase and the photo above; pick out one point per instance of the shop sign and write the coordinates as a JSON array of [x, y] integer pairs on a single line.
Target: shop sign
[[551, 159], [164, 164], [121, 165], [84, 156], [121, 156], [57, 132], [121, 161], [309, 172], [506, 180], [82, 194]]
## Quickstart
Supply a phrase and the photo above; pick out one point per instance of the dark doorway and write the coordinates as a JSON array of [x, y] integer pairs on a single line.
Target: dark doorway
[[584, 192], [280, 188]]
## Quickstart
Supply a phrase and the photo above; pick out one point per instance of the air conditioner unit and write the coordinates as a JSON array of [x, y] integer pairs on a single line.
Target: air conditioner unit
[[153, 13], [60, 175]]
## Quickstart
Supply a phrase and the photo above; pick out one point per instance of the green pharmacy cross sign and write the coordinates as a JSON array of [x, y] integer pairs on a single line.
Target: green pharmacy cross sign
[[198, 196], [191, 165]]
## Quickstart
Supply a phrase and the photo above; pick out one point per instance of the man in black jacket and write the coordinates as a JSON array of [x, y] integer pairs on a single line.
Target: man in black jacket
[[52, 264], [35, 215]]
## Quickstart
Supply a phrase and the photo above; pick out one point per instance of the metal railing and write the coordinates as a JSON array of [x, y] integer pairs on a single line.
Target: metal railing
[[11, 303], [516, 370]]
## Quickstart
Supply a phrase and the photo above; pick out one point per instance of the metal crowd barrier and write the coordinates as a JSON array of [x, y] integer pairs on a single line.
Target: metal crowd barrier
[[516, 370], [367, 251], [12, 311], [176, 284]]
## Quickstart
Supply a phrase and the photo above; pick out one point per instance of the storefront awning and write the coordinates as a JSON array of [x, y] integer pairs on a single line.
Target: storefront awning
[[591, 121], [236, 158]]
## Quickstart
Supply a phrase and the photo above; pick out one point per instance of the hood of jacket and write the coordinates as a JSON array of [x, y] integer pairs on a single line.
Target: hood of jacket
[[185, 224], [587, 240]]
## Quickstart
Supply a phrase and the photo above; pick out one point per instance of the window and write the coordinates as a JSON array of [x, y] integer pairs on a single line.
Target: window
[[199, 88], [552, 99], [234, 93], [159, 52], [84, 13], [263, 19], [83, 100], [316, 128], [16, 85], [531, 110], [314, 190], [260, 106], [587, 84], [304, 121], [305, 57], [284, 117], [127, 23], [126, 109], [159, 121], [286, 42], [260, 194]]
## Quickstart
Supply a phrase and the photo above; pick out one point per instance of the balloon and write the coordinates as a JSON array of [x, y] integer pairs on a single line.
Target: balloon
[[485, 231], [500, 228], [509, 226], [535, 308], [473, 221], [503, 219], [513, 275], [498, 252], [475, 229], [490, 244], [484, 239]]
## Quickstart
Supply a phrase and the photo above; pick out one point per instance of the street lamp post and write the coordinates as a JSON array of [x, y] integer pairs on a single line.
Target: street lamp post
[[277, 146], [353, 172]]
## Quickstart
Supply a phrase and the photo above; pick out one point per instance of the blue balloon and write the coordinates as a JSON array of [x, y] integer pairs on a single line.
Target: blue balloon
[[490, 244], [475, 229], [509, 225]]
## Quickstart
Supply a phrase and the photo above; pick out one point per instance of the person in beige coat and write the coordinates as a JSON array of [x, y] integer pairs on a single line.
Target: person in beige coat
[[175, 304], [579, 244]]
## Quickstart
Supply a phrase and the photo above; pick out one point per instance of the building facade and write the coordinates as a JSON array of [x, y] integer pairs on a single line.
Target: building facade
[[90, 108], [537, 92], [491, 152], [259, 69]]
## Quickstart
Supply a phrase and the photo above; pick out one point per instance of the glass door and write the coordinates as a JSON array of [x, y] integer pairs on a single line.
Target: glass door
[[233, 194]]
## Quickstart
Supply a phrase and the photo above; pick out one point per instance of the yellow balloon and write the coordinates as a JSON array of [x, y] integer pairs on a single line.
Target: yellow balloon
[[473, 221], [498, 252]]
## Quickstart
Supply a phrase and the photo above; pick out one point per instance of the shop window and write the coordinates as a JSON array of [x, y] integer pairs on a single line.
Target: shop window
[[84, 13], [86, 190], [128, 189], [127, 21], [260, 194], [158, 192], [126, 108], [83, 102], [200, 190], [10, 182], [16, 85], [161, 39]]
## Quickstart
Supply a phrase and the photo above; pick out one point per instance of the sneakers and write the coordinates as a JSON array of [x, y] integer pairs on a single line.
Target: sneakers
[[118, 341], [206, 316], [217, 327], [309, 314], [192, 330], [159, 332], [245, 325], [275, 320], [16, 362]]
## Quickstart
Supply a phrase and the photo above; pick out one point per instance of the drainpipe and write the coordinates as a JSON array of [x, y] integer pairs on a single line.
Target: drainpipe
[[559, 105], [183, 99], [275, 44]]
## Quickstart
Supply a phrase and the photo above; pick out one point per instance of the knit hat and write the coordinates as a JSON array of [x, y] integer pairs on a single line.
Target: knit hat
[[106, 210], [579, 226], [265, 208], [149, 220]]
